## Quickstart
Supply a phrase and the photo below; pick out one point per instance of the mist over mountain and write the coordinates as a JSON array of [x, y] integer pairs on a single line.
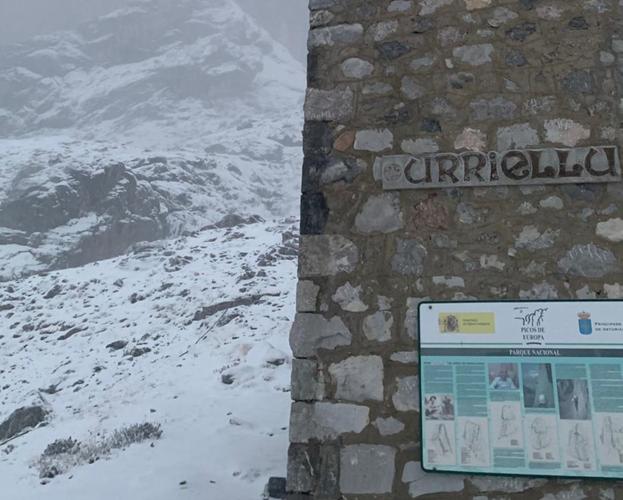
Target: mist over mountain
[[154, 120]]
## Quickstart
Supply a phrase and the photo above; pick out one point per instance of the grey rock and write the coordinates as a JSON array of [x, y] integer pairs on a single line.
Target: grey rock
[[407, 395], [375, 140], [474, 55], [393, 50], [579, 82], [388, 426], [424, 483], [492, 109], [516, 57], [378, 326], [326, 255], [411, 88], [311, 332], [326, 421], [306, 296], [21, 420], [367, 469], [380, 214], [358, 378], [348, 297], [589, 261], [307, 383], [342, 34], [357, 68], [409, 257], [329, 105], [522, 31]]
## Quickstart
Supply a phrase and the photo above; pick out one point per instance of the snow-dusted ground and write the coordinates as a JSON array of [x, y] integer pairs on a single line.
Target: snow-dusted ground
[[220, 441]]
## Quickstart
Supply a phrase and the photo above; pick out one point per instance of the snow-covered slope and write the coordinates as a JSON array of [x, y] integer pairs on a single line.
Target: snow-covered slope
[[197, 334], [154, 120]]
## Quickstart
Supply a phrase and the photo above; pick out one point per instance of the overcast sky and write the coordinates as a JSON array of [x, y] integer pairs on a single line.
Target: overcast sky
[[22, 19]]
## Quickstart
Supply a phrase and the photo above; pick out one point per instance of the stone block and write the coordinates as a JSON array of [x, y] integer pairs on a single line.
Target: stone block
[[426, 483], [307, 383], [326, 255], [407, 395], [311, 332], [589, 261], [374, 140], [326, 421], [349, 298], [367, 469], [378, 326], [358, 378], [306, 296], [341, 34], [329, 105], [380, 214], [409, 257]]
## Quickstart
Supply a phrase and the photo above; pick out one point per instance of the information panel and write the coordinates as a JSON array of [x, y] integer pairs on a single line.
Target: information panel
[[522, 388]]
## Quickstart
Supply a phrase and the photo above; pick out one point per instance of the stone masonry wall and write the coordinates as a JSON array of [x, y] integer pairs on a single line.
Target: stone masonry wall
[[421, 76]]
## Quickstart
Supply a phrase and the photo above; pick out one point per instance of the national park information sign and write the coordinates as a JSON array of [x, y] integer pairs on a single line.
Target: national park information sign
[[522, 388]]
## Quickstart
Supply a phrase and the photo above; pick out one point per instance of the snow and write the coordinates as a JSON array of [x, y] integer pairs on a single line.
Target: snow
[[223, 440]]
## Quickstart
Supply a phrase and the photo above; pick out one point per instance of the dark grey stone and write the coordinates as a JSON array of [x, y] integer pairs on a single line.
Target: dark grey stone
[[422, 24], [579, 81], [528, 4], [579, 23], [493, 109], [516, 58], [21, 420], [409, 257], [430, 125], [393, 50], [276, 487], [302, 468], [460, 80], [522, 31], [329, 468], [314, 213]]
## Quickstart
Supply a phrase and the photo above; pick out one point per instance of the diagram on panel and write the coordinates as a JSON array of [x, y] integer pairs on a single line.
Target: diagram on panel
[[506, 424], [440, 443], [578, 445], [610, 429], [474, 441], [542, 438]]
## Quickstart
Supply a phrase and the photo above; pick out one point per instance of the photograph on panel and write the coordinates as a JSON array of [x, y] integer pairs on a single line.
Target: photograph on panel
[[503, 376], [439, 407], [538, 387], [573, 399]]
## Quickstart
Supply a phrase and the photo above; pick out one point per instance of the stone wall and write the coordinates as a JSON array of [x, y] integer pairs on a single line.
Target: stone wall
[[424, 76]]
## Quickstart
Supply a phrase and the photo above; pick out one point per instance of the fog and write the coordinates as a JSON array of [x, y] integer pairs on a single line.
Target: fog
[[23, 19]]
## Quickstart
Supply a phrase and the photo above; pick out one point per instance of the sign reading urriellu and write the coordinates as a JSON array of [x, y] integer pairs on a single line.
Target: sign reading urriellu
[[473, 168]]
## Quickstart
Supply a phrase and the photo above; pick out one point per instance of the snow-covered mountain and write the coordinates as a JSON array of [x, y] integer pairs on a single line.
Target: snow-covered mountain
[[157, 119]]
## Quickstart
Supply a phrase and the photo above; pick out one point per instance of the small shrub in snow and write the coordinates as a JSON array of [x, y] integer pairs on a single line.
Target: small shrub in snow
[[64, 454], [61, 446]]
